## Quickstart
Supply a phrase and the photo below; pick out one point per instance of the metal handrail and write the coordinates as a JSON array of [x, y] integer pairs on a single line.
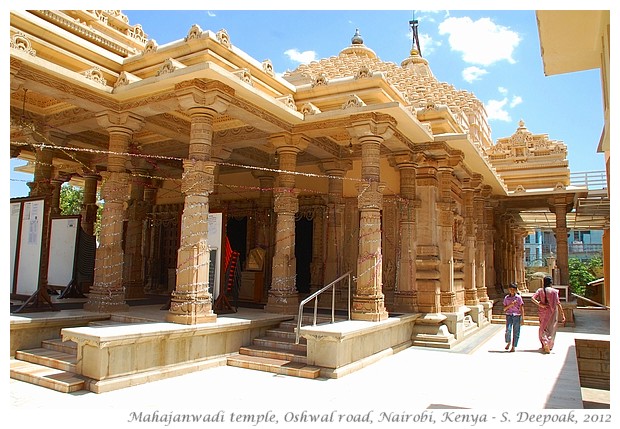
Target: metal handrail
[[590, 301], [316, 302]]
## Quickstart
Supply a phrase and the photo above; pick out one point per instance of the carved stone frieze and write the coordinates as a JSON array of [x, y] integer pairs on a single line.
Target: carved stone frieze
[[20, 42], [194, 33], [223, 37], [125, 78], [288, 101], [169, 66], [268, 67], [285, 201], [150, 47], [114, 186], [95, 74], [320, 80], [244, 75], [370, 195], [310, 109], [136, 32], [363, 72], [198, 177], [353, 101]]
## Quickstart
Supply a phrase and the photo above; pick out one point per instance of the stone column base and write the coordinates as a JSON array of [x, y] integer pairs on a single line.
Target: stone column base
[[282, 302], [405, 302], [430, 331], [368, 308], [190, 319], [487, 309], [190, 312], [105, 304]]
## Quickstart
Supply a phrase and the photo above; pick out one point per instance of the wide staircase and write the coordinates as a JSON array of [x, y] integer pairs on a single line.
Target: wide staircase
[[277, 352], [53, 364]]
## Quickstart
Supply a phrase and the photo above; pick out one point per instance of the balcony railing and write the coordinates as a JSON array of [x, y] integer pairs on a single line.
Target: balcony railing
[[590, 179]]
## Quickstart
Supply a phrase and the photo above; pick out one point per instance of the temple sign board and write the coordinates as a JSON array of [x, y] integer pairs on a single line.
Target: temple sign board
[[26, 241]]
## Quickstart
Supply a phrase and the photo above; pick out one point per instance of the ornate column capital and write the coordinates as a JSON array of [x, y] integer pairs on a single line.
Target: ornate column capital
[[120, 122], [199, 96], [407, 159], [336, 167], [372, 125], [285, 142]]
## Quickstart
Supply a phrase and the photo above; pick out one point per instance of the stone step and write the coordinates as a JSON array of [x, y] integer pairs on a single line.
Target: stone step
[[279, 343], [108, 322], [284, 333], [59, 345], [51, 378], [306, 321], [269, 352], [50, 358], [275, 366]]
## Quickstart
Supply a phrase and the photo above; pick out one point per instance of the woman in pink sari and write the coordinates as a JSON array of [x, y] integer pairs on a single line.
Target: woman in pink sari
[[548, 301]]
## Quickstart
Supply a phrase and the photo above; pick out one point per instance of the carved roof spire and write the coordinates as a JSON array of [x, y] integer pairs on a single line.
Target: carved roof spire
[[357, 38], [357, 47]]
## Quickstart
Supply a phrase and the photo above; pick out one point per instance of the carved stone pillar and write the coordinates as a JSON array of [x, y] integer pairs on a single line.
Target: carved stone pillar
[[89, 203], [136, 213], [57, 182], [559, 207], [485, 304], [191, 302], [368, 300], [406, 295], [283, 296], [427, 258], [520, 234], [219, 154], [108, 292], [471, 294], [445, 224], [334, 217], [511, 252], [266, 223], [41, 187], [480, 197], [491, 242], [317, 273], [148, 241]]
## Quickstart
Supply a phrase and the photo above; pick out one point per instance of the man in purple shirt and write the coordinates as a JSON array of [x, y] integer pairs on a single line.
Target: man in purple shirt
[[515, 315]]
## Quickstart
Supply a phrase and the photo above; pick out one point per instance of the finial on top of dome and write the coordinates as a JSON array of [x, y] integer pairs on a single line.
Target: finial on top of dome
[[357, 38]]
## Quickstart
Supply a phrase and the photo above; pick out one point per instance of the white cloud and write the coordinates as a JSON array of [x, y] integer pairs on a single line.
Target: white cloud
[[473, 73], [480, 42], [516, 100], [211, 14], [502, 90], [427, 44], [304, 57], [496, 112]]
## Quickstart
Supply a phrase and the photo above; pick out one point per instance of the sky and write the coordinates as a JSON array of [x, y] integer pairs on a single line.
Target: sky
[[495, 54]]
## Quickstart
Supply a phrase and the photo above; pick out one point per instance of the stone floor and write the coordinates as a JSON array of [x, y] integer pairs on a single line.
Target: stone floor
[[468, 380]]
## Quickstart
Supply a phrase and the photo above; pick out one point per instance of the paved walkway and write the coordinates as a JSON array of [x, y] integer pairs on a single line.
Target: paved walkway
[[424, 383]]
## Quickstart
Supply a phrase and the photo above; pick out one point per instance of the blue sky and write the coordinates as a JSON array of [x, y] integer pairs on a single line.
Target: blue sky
[[494, 54]]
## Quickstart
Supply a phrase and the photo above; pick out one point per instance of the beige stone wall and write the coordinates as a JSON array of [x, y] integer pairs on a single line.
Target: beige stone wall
[[593, 362]]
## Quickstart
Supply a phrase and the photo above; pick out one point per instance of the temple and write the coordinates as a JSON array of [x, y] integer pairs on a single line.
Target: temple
[[347, 167]]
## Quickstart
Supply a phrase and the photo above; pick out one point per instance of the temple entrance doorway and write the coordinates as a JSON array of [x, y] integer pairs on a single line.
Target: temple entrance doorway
[[303, 253], [236, 231]]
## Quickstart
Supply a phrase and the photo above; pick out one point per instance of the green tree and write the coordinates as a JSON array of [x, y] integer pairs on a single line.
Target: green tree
[[579, 275], [71, 198]]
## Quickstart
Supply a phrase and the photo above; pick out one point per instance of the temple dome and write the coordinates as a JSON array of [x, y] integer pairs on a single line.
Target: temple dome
[[413, 78]]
